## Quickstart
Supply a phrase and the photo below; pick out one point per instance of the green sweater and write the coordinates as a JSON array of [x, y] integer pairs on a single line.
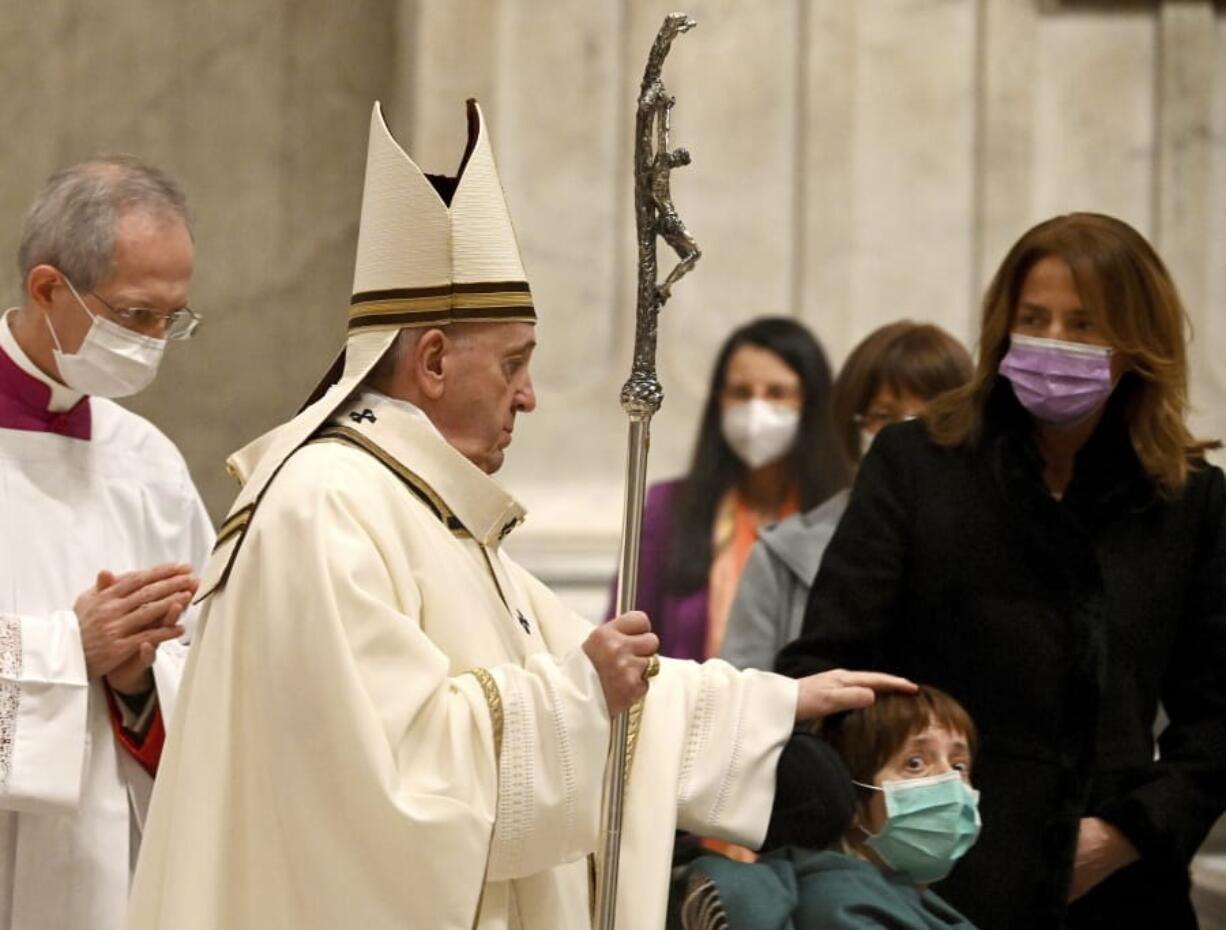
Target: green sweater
[[801, 889]]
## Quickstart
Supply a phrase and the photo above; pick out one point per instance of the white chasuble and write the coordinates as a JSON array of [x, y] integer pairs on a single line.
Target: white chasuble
[[71, 800], [387, 723]]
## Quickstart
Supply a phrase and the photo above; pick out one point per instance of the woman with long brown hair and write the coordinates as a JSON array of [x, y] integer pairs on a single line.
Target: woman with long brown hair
[[1048, 545]]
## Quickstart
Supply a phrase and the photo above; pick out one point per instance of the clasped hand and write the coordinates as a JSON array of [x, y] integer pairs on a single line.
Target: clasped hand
[[124, 618]]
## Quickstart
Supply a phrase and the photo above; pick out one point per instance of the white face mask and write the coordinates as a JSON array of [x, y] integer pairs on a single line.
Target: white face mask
[[112, 362], [759, 432]]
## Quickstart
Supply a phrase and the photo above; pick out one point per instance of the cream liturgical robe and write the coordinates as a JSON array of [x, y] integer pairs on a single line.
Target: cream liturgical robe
[[71, 800], [387, 723]]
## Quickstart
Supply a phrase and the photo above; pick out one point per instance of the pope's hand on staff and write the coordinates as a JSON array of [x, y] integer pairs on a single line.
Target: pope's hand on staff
[[621, 651], [839, 690]]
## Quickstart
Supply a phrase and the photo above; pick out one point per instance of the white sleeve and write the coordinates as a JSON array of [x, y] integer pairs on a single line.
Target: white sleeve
[[734, 731], [704, 760], [198, 533], [709, 740], [551, 766], [44, 701], [194, 543], [707, 746], [167, 674], [704, 750]]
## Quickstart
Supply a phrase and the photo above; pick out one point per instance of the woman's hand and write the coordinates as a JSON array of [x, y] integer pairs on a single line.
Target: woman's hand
[[839, 690], [1101, 850]]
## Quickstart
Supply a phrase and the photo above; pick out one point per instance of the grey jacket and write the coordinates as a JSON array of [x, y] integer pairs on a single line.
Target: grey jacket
[[769, 606]]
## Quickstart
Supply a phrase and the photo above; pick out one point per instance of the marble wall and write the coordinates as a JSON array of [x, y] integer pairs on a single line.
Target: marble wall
[[854, 161]]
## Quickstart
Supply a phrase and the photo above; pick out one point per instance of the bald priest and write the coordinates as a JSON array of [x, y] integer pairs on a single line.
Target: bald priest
[[386, 722]]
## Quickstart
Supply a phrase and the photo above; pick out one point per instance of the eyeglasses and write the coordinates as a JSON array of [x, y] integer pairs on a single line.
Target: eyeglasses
[[177, 324]]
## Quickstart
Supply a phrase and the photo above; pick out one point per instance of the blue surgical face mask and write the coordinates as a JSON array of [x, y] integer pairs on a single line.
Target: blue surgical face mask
[[930, 824]]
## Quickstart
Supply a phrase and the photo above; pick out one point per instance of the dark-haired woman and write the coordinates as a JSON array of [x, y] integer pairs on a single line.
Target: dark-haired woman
[[765, 450], [889, 377], [1048, 545]]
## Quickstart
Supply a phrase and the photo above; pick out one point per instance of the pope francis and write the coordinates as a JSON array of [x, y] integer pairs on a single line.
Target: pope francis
[[386, 722]]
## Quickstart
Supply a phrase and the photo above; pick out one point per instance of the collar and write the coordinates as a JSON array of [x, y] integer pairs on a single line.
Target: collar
[[405, 433], [369, 395], [31, 400], [799, 541], [62, 397]]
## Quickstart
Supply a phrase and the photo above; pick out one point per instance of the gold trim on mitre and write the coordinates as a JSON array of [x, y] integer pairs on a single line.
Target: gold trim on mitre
[[426, 259], [505, 301]]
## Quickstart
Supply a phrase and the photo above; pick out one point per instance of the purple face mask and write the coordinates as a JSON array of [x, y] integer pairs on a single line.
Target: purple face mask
[[1060, 383]]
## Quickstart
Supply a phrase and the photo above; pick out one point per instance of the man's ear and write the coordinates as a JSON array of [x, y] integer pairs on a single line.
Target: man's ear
[[428, 357], [41, 284]]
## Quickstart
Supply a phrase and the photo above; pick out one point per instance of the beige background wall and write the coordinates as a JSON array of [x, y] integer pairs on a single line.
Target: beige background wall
[[854, 161]]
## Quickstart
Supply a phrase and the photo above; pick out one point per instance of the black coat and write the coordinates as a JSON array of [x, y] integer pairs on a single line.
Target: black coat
[[1060, 625]]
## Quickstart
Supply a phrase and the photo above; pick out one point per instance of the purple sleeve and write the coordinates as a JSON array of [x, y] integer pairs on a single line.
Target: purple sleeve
[[679, 621], [653, 551]]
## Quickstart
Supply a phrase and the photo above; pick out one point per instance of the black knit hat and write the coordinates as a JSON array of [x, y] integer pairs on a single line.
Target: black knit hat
[[814, 797]]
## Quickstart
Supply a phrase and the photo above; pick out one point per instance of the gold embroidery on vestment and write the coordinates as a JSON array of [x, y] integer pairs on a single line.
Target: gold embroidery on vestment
[[233, 524], [493, 698], [632, 735]]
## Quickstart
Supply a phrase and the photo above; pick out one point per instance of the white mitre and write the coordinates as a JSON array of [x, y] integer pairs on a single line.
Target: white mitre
[[432, 250]]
